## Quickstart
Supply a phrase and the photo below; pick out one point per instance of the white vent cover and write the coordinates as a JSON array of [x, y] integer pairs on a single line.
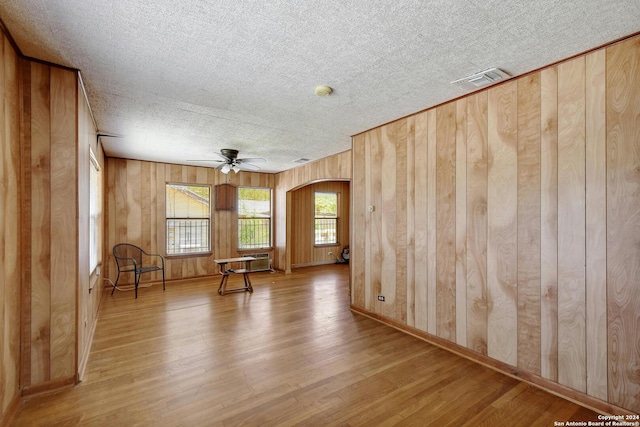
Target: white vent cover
[[481, 79]]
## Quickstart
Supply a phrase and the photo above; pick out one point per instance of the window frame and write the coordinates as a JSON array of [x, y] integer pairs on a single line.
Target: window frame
[[336, 220], [209, 219], [241, 217]]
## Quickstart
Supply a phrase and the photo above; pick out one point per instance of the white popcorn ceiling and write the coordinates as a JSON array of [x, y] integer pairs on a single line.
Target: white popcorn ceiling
[[182, 80]]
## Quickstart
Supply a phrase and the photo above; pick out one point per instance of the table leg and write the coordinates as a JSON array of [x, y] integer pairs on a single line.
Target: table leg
[[223, 283], [247, 282]]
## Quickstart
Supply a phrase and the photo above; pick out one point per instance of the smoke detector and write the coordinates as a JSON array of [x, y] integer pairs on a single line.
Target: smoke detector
[[482, 79], [323, 91]]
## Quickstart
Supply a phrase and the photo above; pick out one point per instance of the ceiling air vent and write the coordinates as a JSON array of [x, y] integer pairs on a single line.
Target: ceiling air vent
[[301, 160], [482, 79]]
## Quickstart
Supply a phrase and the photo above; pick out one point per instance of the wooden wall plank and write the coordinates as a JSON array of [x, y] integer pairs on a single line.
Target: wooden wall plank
[[375, 224], [10, 221], [623, 222], [40, 225], [119, 170], [502, 223], [596, 225], [109, 214], [26, 221], [529, 223], [409, 213], [461, 221], [144, 202], [420, 221], [64, 250], [477, 222], [432, 230], [549, 223], [151, 212], [446, 221], [357, 223], [5, 202], [388, 217], [368, 253], [400, 199], [571, 224]]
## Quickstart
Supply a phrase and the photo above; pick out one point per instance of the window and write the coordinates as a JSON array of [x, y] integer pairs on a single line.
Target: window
[[188, 219], [95, 213], [254, 218], [326, 218]]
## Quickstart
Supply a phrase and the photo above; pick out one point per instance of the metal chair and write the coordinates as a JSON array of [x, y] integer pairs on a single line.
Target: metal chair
[[130, 258]]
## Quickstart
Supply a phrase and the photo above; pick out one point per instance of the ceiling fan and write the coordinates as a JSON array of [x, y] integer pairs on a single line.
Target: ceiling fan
[[230, 161]]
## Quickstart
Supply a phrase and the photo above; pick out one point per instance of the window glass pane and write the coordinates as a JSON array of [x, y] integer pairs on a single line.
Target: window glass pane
[[326, 218], [188, 219], [95, 215], [326, 205], [188, 201], [254, 218], [326, 231], [254, 202]]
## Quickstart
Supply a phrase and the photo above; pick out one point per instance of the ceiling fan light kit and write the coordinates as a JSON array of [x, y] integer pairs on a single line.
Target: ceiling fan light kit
[[230, 161]]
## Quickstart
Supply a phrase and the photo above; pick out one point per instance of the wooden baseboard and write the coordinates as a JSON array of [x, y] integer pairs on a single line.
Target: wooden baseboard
[[311, 264], [11, 410], [549, 386], [49, 387], [82, 363]]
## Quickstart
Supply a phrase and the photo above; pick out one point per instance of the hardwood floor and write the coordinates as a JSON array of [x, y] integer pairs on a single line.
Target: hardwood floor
[[291, 353]]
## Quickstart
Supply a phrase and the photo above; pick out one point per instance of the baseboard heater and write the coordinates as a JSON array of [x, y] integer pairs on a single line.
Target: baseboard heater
[[262, 263]]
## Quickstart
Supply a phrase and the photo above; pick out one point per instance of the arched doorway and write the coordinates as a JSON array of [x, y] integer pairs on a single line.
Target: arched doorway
[[319, 222]]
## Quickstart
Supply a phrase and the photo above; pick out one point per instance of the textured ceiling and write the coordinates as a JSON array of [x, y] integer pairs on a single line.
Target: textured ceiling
[[182, 80]]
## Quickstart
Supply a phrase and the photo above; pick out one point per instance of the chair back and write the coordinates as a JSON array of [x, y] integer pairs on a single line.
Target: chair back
[[125, 253]]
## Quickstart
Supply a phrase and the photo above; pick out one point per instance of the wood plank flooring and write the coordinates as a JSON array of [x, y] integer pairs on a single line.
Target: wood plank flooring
[[291, 353]]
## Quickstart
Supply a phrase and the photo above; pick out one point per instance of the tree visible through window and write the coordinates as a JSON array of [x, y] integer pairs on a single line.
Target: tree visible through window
[[188, 219], [254, 218], [326, 218]]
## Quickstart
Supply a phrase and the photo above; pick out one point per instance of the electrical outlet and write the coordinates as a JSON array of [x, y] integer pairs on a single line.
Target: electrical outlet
[[380, 297]]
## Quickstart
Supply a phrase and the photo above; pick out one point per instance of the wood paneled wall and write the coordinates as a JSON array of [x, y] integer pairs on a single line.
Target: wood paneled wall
[[304, 251], [88, 298], [10, 252], [621, 257], [507, 222], [47, 314], [336, 167], [135, 212], [50, 240]]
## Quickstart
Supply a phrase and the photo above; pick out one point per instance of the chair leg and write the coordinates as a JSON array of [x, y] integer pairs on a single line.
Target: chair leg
[[115, 284], [163, 279], [137, 280]]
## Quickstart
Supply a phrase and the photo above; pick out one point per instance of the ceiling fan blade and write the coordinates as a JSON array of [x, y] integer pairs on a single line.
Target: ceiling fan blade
[[248, 166], [205, 160], [252, 160]]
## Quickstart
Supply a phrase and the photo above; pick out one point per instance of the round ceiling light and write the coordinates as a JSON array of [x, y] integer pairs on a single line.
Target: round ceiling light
[[323, 91]]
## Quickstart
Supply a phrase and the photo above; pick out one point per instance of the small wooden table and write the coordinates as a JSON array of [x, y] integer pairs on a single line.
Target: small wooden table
[[222, 264]]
